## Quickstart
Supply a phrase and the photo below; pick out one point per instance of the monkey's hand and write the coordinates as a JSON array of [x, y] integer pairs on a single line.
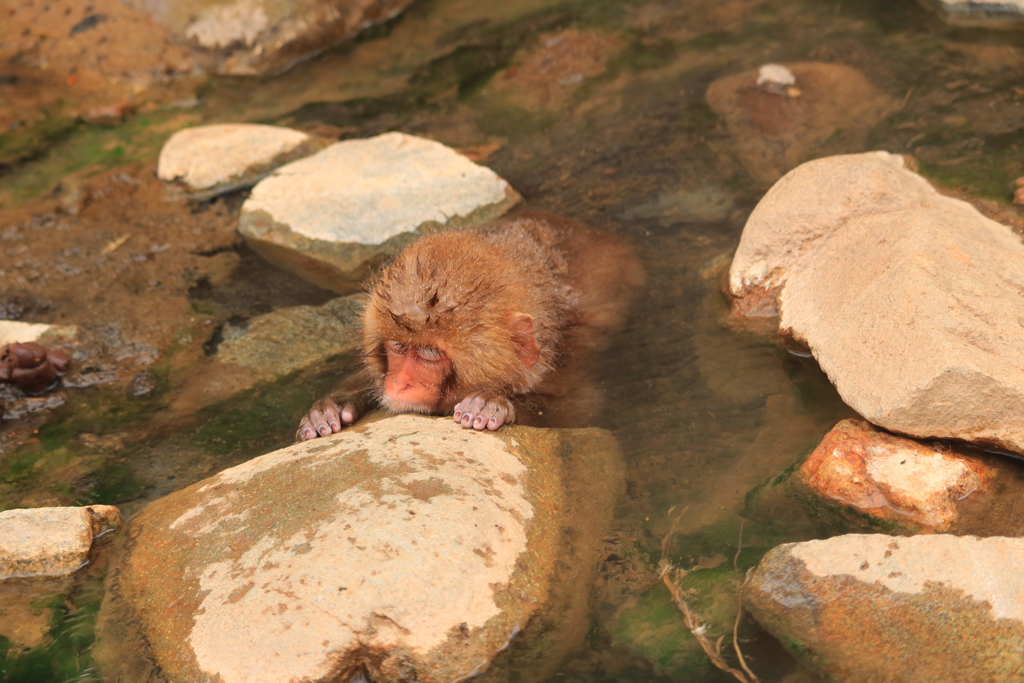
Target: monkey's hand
[[329, 415], [485, 409]]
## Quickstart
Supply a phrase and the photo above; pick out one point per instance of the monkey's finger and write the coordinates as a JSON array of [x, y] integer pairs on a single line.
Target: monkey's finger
[[349, 413], [319, 422], [306, 431], [467, 409]]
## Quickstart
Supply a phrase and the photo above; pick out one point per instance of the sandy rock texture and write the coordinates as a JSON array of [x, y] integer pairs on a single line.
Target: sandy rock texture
[[910, 301], [209, 160], [407, 548], [250, 37], [773, 132], [331, 217], [51, 541], [864, 608]]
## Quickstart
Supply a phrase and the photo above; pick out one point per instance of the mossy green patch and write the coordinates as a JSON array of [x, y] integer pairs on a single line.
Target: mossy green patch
[[32, 140], [82, 148], [651, 626], [265, 417]]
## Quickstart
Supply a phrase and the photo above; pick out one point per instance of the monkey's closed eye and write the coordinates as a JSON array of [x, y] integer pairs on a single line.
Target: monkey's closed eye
[[396, 346], [429, 354]]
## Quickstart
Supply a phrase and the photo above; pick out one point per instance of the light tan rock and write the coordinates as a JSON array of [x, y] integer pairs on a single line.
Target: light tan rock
[[249, 37], [408, 547], [210, 160], [51, 541], [863, 608], [15, 331], [331, 217], [910, 301]]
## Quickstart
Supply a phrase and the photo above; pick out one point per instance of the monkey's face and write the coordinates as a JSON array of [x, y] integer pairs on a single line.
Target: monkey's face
[[417, 378]]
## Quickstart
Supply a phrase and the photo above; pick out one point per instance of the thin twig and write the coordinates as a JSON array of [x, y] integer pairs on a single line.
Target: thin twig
[[671, 576], [739, 549], [736, 628], [906, 98]]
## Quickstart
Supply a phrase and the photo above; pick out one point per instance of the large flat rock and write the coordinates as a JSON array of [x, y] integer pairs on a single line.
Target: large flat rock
[[331, 217], [408, 548], [864, 608], [911, 301]]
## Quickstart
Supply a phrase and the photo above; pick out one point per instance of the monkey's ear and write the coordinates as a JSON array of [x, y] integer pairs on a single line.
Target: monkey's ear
[[524, 337]]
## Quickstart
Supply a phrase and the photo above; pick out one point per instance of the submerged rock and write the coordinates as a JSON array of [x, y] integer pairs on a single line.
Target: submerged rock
[[331, 217], [51, 541], [909, 300], [408, 548], [209, 160], [863, 608], [293, 338], [249, 37], [773, 133]]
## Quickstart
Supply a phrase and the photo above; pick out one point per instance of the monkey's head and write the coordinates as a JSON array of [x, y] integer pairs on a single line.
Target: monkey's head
[[447, 318]]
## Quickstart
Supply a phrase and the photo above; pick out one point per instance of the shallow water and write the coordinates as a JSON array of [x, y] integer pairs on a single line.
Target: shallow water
[[704, 414]]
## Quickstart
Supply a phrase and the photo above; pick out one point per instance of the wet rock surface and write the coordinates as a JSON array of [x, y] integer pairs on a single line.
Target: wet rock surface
[[863, 608], [294, 338], [777, 127], [331, 217], [408, 547], [209, 160], [51, 541], [909, 300], [250, 37], [992, 14]]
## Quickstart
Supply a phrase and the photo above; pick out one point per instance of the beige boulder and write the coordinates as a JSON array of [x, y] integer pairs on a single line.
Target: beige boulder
[[863, 608], [51, 541], [408, 549], [331, 217], [910, 301], [209, 160]]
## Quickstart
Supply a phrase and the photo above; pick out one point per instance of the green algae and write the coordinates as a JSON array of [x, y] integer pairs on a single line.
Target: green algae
[[65, 654]]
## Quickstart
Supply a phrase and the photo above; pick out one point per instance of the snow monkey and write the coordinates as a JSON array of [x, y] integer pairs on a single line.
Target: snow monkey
[[488, 324]]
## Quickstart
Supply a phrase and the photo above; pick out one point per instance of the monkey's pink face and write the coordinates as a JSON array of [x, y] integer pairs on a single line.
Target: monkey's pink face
[[416, 379]]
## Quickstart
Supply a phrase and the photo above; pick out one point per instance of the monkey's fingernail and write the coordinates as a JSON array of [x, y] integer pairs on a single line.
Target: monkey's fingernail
[[335, 426], [325, 430]]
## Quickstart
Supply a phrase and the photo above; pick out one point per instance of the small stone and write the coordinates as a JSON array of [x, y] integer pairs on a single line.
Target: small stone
[[332, 217], [209, 160], [775, 74], [108, 114], [14, 332], [51, 541], [863, 608]]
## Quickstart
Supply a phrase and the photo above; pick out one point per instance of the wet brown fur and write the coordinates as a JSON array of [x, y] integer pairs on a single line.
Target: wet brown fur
[[459, 291]]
